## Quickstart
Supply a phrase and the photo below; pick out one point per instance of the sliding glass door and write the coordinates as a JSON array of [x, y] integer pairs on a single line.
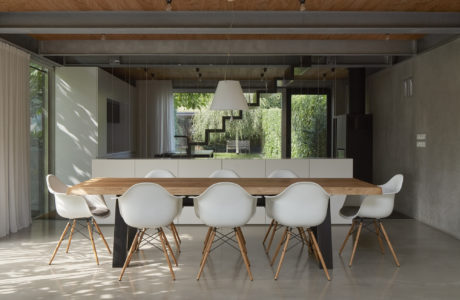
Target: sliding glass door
[[309, 124], [38, 81]]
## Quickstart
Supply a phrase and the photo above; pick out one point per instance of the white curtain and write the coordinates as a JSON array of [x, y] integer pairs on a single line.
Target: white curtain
[[155, 117], [14, 140]]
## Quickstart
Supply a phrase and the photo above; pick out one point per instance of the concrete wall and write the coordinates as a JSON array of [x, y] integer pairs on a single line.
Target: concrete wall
[[119, 136], [431, 186], [76, 128]]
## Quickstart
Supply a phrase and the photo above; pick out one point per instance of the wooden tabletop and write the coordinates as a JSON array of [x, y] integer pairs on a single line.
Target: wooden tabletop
[[195, 186]]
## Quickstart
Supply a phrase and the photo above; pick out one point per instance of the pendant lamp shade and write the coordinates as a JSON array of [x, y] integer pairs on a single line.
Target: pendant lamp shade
[[229, 96]]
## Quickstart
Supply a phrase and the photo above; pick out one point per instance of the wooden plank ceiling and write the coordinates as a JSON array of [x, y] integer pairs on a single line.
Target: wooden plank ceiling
[[201, 5]]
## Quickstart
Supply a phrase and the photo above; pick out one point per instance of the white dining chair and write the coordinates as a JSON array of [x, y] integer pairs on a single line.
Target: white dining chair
[[273, 227], [162, 173], [149, 205], [374, 208], [302, 204], [225, 205], [74, 208], [224, 173]]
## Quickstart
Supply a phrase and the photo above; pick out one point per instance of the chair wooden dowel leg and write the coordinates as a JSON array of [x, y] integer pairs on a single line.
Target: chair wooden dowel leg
[[176, 241], [206, 239], [243, 240], [141, 236], [169, 247], [283, 254], [130, 254], [283, 238], [206, 253], [389, 244], [299, 229], [173, 226], [318, 251], [240, 238], [101, 235], [71, 234], [206, 246], [59, 243], [275, 225], [377, 231], [163, 244], [347, 237], [90, 231], [309, 244], [268, 231], [356, 243]]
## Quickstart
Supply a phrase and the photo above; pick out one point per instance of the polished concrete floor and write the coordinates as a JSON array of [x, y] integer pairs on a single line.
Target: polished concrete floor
[[430, 268]]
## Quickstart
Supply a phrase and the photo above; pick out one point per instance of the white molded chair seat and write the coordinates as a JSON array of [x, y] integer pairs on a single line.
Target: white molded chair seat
[[225, 204], [73, 207], [302, 204], [149, 205], [95, 203], [159, 173], [224, 173], [280, 173], [372, 207], [162, 173]]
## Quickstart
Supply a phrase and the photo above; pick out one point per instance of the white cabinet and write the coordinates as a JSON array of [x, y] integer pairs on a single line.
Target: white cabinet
[[301, 167], [245, 167], [143, 166]]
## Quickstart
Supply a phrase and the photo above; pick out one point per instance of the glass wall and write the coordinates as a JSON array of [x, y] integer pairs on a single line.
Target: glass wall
[[38, 82], [254, 134], [309, 122]]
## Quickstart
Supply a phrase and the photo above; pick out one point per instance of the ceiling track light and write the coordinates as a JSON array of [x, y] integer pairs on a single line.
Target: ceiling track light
[[168, 5], [302, 5]]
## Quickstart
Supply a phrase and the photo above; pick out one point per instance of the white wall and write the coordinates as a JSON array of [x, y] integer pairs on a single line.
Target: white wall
[[76, 127], [431, 188], [81, 119]]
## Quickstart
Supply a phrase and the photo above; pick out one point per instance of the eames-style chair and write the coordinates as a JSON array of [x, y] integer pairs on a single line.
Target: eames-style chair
[[224, 173], [76, 209], [149, 205], [280, 173], [162, 173], [225, 205], [304, 205], [371, 209]]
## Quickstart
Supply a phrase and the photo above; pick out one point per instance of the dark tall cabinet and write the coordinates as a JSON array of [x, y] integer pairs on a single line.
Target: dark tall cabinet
[[353, 139]]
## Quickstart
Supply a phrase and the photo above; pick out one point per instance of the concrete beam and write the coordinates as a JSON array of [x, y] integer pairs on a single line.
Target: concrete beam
[[225, 22], [222, 47]]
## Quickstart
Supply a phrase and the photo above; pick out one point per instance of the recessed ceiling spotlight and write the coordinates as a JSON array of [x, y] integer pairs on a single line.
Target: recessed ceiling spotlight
[[302, 5], [168, 5]]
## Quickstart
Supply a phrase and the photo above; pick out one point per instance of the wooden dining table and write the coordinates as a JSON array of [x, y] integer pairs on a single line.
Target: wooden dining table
[[124, 235]]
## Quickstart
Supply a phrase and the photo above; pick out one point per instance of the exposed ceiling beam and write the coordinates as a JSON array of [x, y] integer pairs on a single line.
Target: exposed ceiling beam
[[224, 22], [236, 47], [180, 62]]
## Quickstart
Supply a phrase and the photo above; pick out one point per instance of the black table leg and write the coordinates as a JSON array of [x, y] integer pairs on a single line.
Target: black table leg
[[123, 236], [324, 237]]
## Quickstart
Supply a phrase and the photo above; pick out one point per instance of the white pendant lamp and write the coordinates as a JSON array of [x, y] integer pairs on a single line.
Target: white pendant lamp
[[229, 96]]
